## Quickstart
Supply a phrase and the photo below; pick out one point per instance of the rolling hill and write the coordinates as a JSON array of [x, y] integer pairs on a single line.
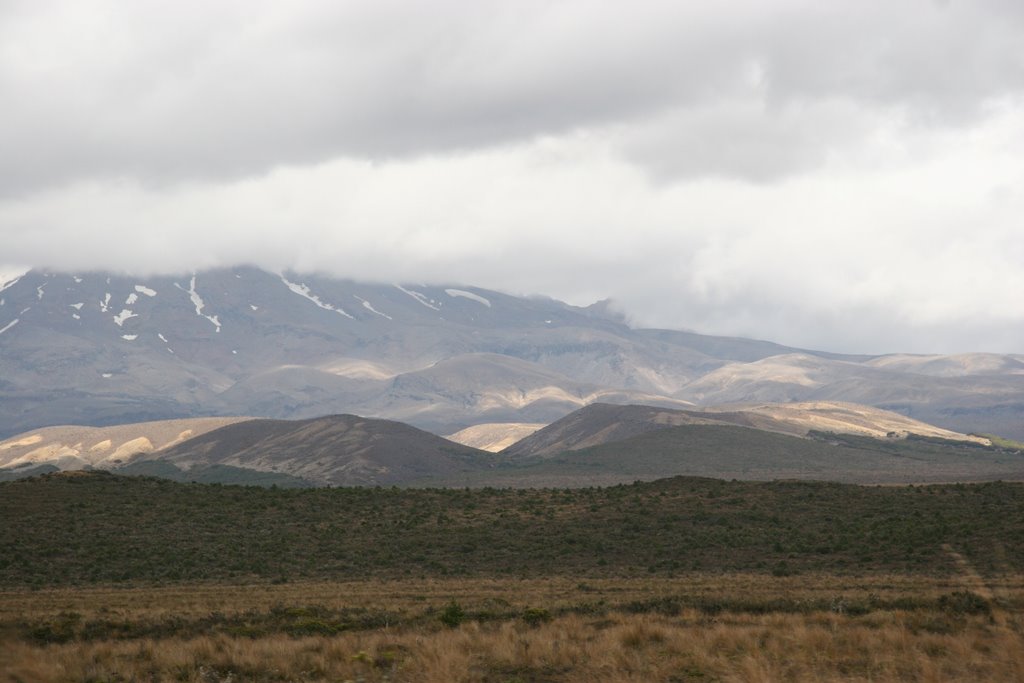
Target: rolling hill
[[333, 450], [598, 444]]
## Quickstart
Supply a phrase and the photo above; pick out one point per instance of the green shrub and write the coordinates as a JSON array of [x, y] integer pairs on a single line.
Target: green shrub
[[453, 615], [535, 616]]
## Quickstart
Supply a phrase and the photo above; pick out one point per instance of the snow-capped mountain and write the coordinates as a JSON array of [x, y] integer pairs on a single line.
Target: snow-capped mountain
[[99, 348]]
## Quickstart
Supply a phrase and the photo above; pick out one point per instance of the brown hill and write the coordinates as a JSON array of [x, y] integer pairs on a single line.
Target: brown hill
[[599, 424], [332, 450]]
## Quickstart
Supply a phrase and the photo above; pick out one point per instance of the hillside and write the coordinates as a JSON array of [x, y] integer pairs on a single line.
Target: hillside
[[731, 452], [334, 450], [598, 424], [495, 437], [77, 447], [599, 444]]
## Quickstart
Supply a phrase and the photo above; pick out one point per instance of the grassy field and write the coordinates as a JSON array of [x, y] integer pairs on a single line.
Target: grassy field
[[110, 579], [704, 627]]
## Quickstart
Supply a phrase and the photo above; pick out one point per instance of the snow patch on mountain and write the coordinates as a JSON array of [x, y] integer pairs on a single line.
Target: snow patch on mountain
[[124, 315], [105, 304], [39, 291], [467, 295], [142, 289], [9, 325], [254, 307], [422, 298], [9, 280], [129, 337], [198, 302], [77, 306], [303, 291], [368, 306], [132, 298]]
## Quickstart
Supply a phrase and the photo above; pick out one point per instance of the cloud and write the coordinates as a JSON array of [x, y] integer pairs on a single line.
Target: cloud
[[185, 91], [833, 177]]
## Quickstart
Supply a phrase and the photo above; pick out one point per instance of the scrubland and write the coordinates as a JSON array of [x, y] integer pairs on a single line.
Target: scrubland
[[679, 580]]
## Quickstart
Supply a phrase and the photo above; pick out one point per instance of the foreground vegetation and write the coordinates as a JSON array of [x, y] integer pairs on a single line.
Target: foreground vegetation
[[98, 528], [114, 579], [724, 627]]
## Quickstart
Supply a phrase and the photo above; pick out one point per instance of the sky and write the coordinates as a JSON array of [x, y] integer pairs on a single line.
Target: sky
[[840, 176]]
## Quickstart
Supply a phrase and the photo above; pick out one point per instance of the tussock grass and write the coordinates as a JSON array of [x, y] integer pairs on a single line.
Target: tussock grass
[[643, 629], [567, 649]]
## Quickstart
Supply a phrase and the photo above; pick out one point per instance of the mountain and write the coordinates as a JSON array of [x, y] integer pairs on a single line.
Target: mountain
[[333, 450], [101, 349]]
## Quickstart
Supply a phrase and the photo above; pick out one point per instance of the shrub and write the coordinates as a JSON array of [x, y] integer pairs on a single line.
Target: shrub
[[535, 616], [453, 615], [964, 602]]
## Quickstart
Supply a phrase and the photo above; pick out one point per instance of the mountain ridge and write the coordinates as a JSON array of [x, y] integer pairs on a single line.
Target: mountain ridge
[[101, 348]]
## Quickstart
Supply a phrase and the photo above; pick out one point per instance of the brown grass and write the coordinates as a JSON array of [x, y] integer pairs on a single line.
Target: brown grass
[[593, 635]]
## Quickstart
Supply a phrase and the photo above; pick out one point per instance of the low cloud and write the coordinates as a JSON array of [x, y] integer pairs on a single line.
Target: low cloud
[[842, 178]]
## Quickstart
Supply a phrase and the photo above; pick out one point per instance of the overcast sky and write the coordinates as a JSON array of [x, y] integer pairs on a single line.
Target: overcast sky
[[846, 176]]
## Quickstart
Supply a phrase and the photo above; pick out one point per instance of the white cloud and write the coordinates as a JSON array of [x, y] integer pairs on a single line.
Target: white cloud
[[846, 178]]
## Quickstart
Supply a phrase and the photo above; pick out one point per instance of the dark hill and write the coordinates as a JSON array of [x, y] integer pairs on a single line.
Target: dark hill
[[600, 423], [733, 452], [336, 450]]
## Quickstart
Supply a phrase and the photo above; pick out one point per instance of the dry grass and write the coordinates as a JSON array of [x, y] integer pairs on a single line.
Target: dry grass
[[593, 635], [638, 648]]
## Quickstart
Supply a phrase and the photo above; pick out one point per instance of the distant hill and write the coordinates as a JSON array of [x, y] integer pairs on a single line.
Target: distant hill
[[596, 445], [725, 451], [104, 348], [334, 450], [599, 424], [77, 447]]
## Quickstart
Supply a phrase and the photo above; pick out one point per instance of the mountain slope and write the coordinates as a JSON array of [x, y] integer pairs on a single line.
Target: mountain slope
[[103, 348]]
